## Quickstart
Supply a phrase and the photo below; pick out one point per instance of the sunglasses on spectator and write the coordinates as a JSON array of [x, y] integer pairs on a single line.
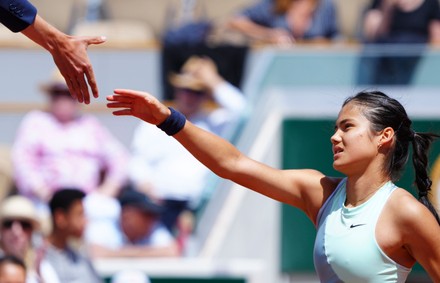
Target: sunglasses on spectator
[[26, 225]]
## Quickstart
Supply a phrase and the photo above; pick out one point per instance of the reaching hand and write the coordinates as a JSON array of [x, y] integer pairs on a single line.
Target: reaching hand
[[70, 56], [138, 104], [73, 62]]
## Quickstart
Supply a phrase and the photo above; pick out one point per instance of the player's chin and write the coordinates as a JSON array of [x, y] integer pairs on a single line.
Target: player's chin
[[339, 166]]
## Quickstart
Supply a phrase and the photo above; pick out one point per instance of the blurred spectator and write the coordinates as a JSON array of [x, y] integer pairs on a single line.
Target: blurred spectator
[[62, 147], [6, 171], [186, 23], [143, 235], [12, 270], [19, 222], [154, 155], [68, 221], [189, 32], [288, 21], [95, 10], [407, 25]]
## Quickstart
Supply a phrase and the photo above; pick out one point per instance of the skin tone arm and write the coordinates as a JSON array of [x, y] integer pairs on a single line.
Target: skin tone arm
[[305, 189], [434, 32], [377, 21], [70, 56], [417, 230], [261, 33]]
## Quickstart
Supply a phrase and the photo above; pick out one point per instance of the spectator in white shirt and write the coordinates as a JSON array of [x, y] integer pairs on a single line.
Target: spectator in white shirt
[[208, 101]]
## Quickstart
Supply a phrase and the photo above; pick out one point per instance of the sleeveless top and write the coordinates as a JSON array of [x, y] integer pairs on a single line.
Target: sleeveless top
[[346, 249]]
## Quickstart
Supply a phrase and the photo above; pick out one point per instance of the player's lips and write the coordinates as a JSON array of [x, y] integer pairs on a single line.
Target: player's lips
[[336, 151]]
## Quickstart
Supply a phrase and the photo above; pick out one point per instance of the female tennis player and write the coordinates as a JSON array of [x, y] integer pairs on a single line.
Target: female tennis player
[[368, 229]]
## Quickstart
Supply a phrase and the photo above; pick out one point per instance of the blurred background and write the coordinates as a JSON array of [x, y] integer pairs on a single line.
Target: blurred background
[[293, 81]]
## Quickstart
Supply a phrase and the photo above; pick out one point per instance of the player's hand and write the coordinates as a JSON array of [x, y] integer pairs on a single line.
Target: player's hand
[[138, 104], [72, 60]]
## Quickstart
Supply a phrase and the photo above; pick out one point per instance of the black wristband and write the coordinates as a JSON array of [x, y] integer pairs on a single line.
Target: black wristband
[[174, 123]]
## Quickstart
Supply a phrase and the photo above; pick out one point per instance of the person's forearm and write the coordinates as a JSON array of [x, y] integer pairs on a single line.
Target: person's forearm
[[251, 29], [434, 32], [44, 34], [387, 16], [216, 153]]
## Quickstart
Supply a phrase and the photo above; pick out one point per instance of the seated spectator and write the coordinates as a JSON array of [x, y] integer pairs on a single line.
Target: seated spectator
[[154, 155], [410, 24], [143, 235], [12, 270], [69, 221], [19, 222], [287, 21], [62, 147], [186, 24]]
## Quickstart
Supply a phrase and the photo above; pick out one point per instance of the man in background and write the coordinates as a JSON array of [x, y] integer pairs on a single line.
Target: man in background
[[68, 220]]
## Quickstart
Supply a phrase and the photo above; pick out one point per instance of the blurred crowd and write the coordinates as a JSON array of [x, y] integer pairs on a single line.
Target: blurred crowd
[[78, 194]]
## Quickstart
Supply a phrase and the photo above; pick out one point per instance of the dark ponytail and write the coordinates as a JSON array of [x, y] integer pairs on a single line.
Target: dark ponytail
[[383, 111], [421, 143]]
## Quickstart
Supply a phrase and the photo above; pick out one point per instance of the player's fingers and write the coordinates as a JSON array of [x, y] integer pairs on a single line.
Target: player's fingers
[[91, 80], [95, 39], [83, 87], [122, 112], [130, 93], [119, 105], [73, 91], [119, 98]]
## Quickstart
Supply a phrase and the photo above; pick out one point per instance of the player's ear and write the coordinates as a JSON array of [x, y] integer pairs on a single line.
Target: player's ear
[[386, 137]]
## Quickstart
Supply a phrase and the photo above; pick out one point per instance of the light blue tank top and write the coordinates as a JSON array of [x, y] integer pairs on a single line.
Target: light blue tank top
[[346, 249]]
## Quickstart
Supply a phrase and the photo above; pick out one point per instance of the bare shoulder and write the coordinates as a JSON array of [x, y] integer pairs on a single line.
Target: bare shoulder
[[417, 229], [408, 212], [314, 188], [312, 180], [405, 205]]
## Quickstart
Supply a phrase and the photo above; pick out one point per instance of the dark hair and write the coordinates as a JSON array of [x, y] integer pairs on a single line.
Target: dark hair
[[383, 111], [11, 259], [64, 198]]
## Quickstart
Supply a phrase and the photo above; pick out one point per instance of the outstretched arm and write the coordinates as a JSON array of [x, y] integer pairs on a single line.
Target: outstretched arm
[[70, 56], [305, 189]]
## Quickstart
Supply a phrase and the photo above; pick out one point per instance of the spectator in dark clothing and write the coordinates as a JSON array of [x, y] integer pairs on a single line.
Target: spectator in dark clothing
[[402, 29], [287, 21]]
